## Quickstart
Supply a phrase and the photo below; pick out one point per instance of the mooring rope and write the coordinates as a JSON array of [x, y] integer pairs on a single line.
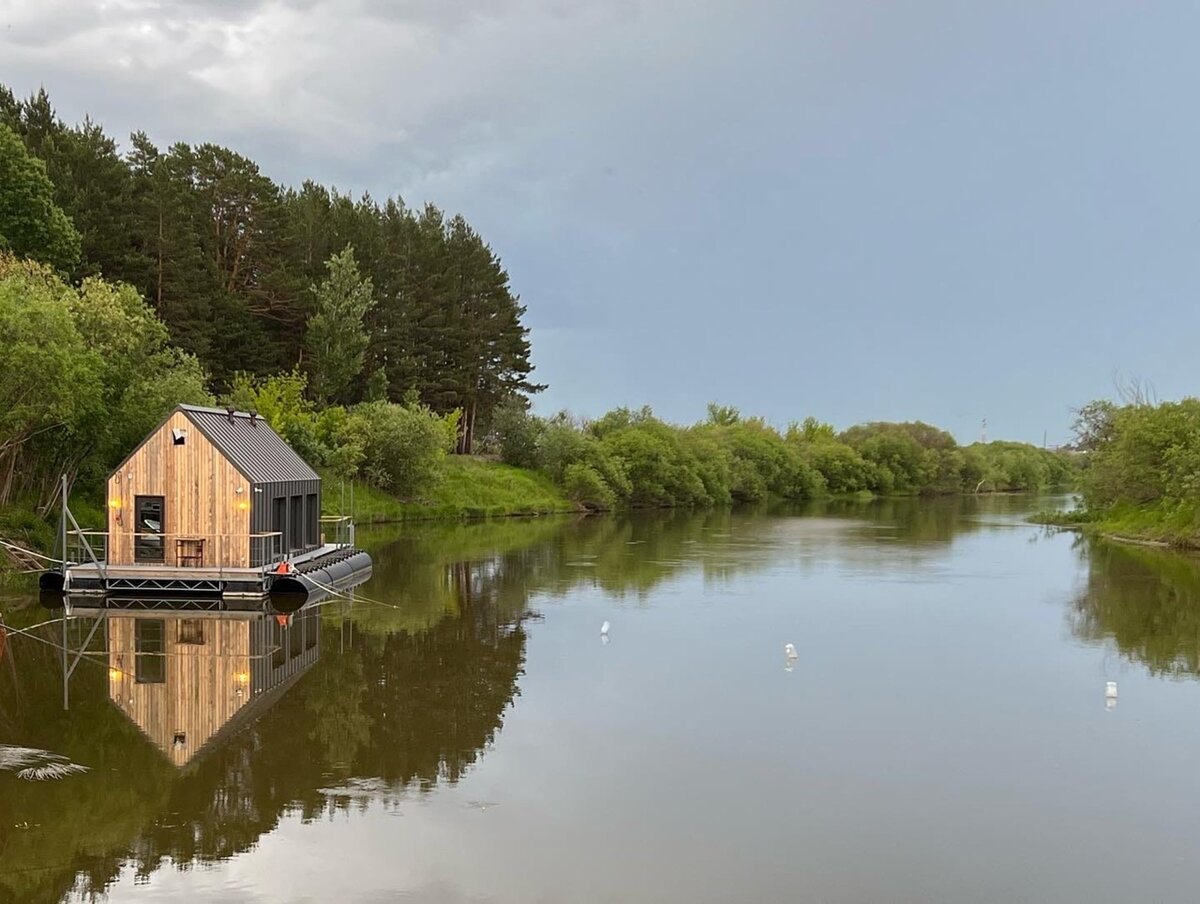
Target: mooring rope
[[353, 599]]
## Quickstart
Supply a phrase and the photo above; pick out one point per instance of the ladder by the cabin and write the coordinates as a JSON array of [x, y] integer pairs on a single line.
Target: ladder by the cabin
[[22, 557]]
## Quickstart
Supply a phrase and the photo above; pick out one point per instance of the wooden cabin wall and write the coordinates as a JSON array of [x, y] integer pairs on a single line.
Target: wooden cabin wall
[[201, 691], [198, 486]]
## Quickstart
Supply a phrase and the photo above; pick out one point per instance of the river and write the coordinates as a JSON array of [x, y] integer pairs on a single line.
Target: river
[[462, 732]]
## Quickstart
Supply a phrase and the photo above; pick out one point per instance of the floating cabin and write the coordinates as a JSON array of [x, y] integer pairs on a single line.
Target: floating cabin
[[213, 501]]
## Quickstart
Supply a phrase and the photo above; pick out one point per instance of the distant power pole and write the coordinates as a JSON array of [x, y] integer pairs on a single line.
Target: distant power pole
[[983, 432], [1043, 439]]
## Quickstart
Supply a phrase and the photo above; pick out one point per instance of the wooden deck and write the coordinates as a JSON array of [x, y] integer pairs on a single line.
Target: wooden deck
[[92, 578]]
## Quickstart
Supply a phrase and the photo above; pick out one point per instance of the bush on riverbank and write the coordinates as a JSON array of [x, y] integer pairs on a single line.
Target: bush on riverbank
[[1141, 476], [85, 373], [1007, 467], [394, 447], [633, 459]]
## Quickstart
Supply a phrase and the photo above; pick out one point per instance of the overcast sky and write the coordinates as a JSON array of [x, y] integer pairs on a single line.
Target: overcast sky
[[933, 210]]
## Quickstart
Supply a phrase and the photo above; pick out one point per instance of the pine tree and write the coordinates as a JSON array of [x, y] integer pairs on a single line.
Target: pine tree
[[170, 268], [227, 258], [336, 339]]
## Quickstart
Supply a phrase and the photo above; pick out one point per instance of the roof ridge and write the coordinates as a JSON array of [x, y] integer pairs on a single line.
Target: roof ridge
[[223, 411], [254, 447]]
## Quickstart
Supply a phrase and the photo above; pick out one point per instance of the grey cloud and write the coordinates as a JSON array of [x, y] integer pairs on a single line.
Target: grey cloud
[[830, 169]]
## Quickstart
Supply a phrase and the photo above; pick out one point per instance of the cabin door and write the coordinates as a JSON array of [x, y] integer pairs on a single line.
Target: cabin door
[[148, 540]]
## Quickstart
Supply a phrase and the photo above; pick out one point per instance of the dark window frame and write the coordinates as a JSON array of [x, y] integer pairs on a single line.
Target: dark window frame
[[151, 550], [150, 665], [296, 522]]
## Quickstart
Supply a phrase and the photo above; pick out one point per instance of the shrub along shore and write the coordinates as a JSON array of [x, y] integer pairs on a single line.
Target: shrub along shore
[[632, 459], [1140, 473]]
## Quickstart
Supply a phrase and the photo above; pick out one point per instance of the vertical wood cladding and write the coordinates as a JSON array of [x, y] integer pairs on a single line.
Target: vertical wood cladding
[[201, 500]]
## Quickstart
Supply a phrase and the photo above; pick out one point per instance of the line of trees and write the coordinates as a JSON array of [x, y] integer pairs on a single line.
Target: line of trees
[[86, 371], [632, 458], [1141, 474], [375, 337], [230, 261]]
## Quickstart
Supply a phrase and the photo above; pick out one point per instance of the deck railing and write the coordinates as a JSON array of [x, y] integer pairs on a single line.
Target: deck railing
[[338, 530], [209, 551]]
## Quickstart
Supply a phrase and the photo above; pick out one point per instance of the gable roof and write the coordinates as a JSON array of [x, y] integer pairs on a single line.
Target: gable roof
[[250, 445]]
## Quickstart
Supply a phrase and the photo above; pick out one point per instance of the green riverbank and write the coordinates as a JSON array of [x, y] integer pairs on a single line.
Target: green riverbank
[[1164, 523], [468, 488]]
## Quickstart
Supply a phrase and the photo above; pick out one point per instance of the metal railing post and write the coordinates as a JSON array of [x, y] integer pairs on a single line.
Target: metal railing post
[[64, 530]]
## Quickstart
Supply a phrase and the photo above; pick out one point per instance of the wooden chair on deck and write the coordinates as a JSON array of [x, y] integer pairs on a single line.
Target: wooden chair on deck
[[189, 552]]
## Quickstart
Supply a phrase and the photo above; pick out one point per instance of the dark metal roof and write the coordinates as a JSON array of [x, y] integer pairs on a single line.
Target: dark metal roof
[[253, 447]]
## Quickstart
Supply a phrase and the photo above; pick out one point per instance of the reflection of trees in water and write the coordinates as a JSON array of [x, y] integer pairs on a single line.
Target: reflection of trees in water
[[403, 697], [421, 571], [1146, 602], [418, 709], [406, 709], [914, 521], [424, 574], [75, 825], [438, 699]]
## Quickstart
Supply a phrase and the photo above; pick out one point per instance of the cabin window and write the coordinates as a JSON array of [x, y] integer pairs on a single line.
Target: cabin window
[[279, 524], [191, 631], [148, 527], [312, 510], [296, 526], [150, 661]]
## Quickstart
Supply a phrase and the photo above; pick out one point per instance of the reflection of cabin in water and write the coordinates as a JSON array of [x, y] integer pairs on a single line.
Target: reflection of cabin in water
[[185, 677], [212, 488]]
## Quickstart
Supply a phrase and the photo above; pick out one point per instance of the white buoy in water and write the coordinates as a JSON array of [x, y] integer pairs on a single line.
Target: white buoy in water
[[1110, 690], [790, 651], [604, 629]]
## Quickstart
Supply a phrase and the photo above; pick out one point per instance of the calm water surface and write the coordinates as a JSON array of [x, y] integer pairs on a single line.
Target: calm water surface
[[461, 733]]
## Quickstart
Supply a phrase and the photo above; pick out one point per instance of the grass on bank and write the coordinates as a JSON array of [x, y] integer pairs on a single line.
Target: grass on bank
[[468, 488], [1169, 523]]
